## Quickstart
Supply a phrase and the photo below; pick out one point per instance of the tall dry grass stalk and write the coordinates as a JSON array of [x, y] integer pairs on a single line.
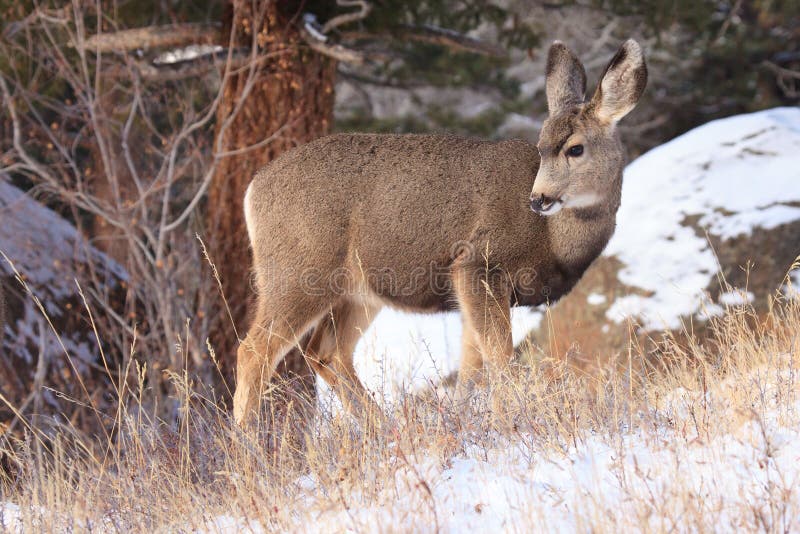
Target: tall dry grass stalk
[[148, 474]]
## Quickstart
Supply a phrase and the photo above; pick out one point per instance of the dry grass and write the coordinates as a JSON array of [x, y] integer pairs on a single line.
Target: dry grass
[[151, 475]]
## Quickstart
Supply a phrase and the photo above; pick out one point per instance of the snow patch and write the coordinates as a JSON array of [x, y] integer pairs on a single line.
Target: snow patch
[[402, 350], [596, 299], [736, 297], [10, 517], [733, 176], [47, 251], [791, 289]]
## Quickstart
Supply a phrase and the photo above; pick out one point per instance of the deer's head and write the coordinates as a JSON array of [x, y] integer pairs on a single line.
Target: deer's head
[[581, 153]]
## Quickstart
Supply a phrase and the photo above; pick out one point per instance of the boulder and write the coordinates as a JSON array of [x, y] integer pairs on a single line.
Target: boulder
[[47, 342]]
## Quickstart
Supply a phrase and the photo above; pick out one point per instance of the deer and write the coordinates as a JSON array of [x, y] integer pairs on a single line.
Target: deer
[[349, 223]]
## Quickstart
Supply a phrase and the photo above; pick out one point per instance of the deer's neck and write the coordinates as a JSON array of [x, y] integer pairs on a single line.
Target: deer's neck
[[578, 236]]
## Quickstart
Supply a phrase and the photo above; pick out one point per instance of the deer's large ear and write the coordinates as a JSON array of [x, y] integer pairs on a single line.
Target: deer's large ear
[[565, 79], [622, 83]]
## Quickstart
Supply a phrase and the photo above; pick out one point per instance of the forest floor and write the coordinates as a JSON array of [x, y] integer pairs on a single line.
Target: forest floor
[[703, 437]]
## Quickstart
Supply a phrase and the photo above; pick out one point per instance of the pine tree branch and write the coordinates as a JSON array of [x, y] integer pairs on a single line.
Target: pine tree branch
[[427, 33], [314, 34], [434, 35], [335, 51], [200, 65]]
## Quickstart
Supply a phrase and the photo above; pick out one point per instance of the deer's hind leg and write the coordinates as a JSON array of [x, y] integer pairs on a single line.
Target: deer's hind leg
[[278, 325], [330, 354]]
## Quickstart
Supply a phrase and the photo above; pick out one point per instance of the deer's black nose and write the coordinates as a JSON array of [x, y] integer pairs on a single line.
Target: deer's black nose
[[541, 203]]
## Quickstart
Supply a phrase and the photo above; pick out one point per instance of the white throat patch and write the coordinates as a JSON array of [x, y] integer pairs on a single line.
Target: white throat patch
[[584, 200]]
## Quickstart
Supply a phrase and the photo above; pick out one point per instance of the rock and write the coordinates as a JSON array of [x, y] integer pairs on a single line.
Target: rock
[[46, 341]]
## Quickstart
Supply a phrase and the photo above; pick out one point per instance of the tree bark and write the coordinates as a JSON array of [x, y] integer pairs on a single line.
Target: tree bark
[[292, 100]]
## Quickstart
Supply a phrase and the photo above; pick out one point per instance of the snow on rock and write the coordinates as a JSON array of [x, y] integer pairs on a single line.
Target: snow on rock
[[50, 255], [732, 175], [48, 252], [43, 245]]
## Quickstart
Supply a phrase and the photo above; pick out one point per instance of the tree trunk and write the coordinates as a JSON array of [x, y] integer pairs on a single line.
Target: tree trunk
[[292, 100]]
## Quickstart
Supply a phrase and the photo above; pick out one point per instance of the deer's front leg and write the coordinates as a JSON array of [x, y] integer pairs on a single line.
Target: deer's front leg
[[486, 317], [470, 371]]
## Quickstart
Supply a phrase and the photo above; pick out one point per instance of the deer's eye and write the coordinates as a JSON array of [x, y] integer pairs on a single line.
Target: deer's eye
[[575, 151]]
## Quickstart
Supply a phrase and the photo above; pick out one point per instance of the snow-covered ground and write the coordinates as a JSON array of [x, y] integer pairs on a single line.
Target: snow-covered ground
[[10, 517], [509, 488], [741, 472]]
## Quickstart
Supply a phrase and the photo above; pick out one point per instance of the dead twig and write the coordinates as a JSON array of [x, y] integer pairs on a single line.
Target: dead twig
[[346, 18], [170, 36], [788, 80]]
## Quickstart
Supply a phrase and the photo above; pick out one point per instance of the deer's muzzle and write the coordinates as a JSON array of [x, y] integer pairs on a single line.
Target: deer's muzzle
[[544, 205]]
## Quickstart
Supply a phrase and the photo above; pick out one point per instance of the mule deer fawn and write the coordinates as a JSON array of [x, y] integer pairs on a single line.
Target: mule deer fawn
[[349, 223]]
